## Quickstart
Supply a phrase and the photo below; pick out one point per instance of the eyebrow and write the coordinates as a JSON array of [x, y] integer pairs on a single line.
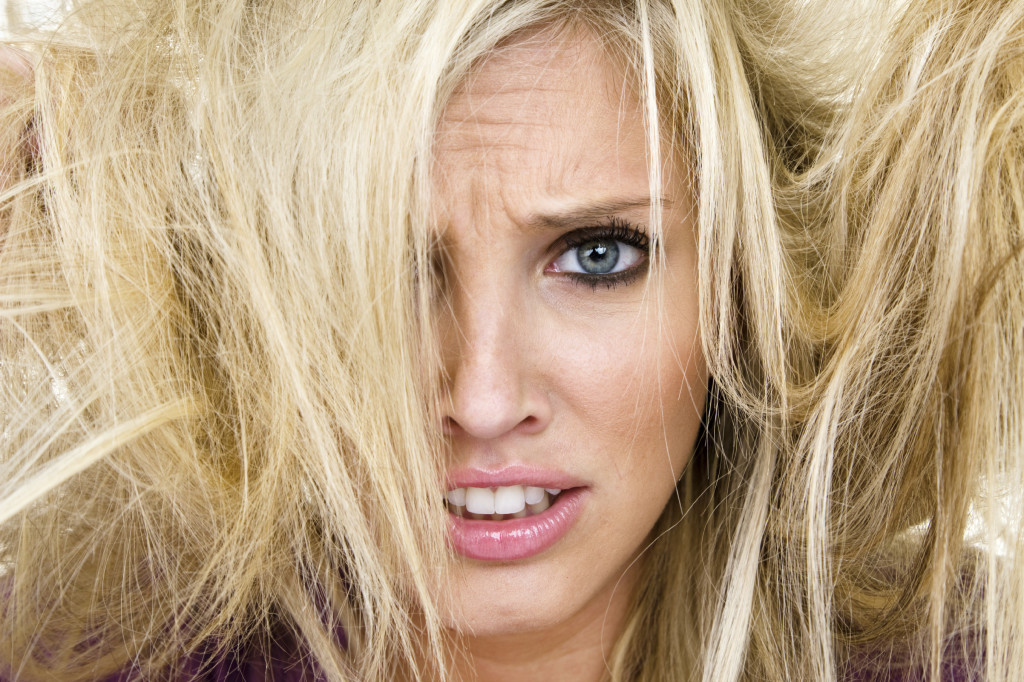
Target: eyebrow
[[588, 212]]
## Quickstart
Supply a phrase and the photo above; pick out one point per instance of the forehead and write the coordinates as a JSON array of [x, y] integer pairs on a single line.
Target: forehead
[[551, 111], [539, 69]]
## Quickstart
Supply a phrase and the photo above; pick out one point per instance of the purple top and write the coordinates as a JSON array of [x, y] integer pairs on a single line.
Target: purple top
[[963, 662], [287, 666], [283, 661], [278, 665]]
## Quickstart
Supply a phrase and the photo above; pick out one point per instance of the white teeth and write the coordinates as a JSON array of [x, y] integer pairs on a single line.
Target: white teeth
[[509, 499], [541, 506], [479, 501], [533, 494]]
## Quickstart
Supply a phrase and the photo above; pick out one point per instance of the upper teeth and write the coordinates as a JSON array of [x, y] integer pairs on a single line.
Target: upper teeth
[[506, 499]]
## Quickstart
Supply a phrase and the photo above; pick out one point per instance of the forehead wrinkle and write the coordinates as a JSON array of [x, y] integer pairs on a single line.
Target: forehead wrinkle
[[503, 84], [490, 121], [490, 207], [496, 142], [519, 108], [501, 74], [477, 137], [479, 198], [496, 94]]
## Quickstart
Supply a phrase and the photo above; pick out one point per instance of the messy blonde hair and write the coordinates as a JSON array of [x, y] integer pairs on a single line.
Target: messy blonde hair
[[218, 358]]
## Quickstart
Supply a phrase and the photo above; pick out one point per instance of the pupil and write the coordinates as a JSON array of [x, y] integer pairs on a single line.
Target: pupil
[[598, 258]]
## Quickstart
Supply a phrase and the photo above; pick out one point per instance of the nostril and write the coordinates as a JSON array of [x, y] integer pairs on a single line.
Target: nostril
[[451, 427], [530, 423]]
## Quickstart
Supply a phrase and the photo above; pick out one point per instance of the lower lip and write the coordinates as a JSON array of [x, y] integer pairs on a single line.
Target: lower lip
[[516, 538]]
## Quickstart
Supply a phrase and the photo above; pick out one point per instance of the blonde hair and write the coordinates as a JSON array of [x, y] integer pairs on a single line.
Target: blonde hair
[[218, 355]]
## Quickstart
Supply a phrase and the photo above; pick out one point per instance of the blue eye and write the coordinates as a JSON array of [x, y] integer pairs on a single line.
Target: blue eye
[[606, 255], [598, 257]]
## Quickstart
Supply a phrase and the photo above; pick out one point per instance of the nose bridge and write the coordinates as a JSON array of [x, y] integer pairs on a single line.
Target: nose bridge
[[484, 318], [487, 375]]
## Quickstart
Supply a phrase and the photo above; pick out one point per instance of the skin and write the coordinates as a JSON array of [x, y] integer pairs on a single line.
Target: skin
[[603, 382]]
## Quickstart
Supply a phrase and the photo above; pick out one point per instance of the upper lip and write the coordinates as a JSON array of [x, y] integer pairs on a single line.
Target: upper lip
[[512, 474]]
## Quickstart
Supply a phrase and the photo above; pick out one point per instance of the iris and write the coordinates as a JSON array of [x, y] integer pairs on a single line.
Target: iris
[[598, 257]]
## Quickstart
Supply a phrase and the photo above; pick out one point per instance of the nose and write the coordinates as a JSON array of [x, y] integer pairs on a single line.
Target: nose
[[493, 368]]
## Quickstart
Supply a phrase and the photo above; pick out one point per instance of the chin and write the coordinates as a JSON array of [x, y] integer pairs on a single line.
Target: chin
[[505, 599], [498, 623]]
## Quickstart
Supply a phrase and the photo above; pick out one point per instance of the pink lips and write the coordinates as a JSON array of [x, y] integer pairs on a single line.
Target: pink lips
[[515, 538]]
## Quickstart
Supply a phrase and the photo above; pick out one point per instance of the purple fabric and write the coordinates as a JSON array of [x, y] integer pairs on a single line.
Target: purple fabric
[[284, 661], [281, 663], [963, 662]]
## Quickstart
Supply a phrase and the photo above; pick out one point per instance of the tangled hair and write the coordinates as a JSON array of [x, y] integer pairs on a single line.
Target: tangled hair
[[218, 356]]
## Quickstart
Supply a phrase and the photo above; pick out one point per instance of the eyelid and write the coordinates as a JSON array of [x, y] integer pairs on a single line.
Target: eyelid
[[616, 228]]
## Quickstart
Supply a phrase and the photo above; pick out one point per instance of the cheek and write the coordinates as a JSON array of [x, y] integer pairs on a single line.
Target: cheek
[[634, 388], [603, 374]]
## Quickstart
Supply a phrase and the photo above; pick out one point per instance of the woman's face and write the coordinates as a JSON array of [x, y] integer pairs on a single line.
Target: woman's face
[[564, 370]]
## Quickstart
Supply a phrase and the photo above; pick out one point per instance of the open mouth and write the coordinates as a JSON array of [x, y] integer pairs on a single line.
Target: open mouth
[[511, 522], [501, 503]]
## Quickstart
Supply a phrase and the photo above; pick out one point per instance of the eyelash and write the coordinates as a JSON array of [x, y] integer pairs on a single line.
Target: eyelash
[[618, 230]]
